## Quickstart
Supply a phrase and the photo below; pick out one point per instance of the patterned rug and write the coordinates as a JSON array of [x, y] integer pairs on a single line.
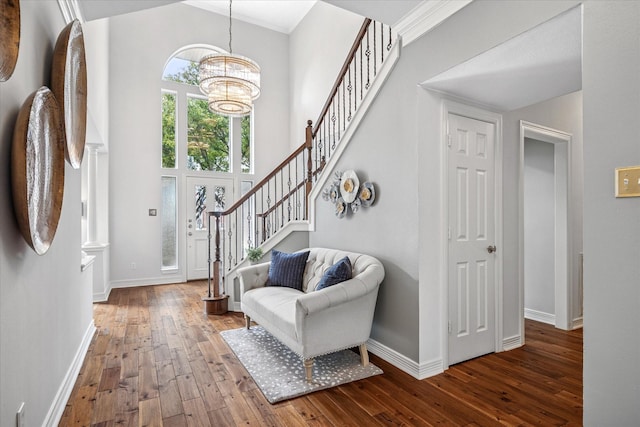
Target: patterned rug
[[279, 372]]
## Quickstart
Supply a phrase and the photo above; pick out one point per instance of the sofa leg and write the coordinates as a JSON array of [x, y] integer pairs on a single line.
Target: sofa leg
[[364, 354], [308, 366], [247, 321]]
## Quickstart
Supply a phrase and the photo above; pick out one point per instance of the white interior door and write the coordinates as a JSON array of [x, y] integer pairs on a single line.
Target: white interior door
[[471, 232], [203, 195]]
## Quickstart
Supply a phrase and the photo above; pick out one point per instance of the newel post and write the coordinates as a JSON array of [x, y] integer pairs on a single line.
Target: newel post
[[308, 143], [216, 303]]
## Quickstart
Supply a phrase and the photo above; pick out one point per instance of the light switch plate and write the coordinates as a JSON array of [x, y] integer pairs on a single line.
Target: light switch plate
[[628, 181]]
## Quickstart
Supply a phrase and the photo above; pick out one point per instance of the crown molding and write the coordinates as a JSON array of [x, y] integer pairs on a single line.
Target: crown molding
[[426, 16], [70, 10]]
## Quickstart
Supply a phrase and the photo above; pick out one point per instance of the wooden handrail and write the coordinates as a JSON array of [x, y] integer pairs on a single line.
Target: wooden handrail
[[273, 173], [290, 193], [343, 71]]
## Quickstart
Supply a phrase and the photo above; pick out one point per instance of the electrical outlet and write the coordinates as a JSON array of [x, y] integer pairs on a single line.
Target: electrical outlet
[[20, 419], [133, 266]]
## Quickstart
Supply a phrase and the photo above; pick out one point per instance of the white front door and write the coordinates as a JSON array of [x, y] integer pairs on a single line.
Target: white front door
[[203, 195], [471, 235]]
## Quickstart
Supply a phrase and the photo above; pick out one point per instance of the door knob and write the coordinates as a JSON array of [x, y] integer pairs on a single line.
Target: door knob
[[491, 249]]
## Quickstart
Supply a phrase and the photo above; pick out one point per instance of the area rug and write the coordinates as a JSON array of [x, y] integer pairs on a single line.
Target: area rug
[[279, 372]]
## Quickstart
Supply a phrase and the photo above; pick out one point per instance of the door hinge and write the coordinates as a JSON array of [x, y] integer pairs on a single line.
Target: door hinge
[[449, 140], [449, 327]]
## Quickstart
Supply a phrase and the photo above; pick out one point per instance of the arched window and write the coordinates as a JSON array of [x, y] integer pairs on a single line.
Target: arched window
[[197, 146], [209, 146]]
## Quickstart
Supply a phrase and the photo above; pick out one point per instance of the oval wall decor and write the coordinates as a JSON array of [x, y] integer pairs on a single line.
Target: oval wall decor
[[37, 169], [9, 37], [69, 84]]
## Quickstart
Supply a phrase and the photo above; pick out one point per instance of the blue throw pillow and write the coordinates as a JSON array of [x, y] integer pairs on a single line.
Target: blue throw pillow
[[338, 272], [287, 269]]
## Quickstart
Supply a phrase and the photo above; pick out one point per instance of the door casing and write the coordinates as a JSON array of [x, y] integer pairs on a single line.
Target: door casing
[[563, 235]]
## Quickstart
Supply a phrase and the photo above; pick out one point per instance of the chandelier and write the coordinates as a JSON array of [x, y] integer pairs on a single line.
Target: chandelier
[[230, 82]]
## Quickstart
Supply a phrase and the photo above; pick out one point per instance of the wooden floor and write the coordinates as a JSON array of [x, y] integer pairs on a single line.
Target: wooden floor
[[157, 360]]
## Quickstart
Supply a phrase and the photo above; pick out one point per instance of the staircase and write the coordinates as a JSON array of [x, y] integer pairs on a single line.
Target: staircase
[[283, 201]]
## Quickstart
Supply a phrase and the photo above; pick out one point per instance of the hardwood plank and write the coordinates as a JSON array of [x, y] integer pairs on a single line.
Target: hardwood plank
[[170, 399], [149, 415], [195, 413], [156, 357], [148, 377]]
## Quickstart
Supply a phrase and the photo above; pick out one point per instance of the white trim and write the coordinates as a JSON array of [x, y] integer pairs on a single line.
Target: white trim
[[60, 401], [426, 16], [577, 323], [563, 238], [402, 362], [512, 343], [149, 281], [103, 296], [70, 10], [540, 316], [453, 107]]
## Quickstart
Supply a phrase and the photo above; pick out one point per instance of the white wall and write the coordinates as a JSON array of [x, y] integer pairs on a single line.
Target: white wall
[[317, 50], [611, 89], [45, 304], [539, 227], [140, 44]]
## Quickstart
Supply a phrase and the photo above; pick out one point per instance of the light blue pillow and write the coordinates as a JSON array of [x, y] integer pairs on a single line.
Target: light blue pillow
[[338, 272], [287, 269]]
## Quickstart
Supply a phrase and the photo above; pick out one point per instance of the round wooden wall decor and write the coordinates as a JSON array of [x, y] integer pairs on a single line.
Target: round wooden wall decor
[[37, 169], [69, 84], [9, 37]]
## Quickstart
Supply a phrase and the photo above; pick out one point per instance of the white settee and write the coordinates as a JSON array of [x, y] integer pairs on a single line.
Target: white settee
[[315, 322]]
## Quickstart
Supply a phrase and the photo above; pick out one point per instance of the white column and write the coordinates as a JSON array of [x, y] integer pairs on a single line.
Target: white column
[[92, 194]]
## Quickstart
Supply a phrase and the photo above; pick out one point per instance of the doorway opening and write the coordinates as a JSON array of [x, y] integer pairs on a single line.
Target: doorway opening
[[545, 228]]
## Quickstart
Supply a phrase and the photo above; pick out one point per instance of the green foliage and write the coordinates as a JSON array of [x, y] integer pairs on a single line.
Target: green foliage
[[207, 138], [168, 130], [254, 254], [188, 75], [207, 133], [246, 144]]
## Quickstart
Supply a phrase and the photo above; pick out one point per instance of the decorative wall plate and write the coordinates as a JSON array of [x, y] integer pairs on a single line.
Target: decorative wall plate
[[349, 185], [9, 37], [367, 194], [69, 84], [37, 169]]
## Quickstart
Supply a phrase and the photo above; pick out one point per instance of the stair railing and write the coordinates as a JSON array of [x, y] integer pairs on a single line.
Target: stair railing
[[282, 196]]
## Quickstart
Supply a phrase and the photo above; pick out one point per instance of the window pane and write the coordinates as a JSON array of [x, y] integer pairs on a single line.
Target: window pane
[[201, 206], [169, 217], [168, 130], [246, 144], [181, 70], [220, 198], [207, 138]]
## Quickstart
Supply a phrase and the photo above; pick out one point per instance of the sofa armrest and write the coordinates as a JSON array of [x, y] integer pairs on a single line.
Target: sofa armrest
[[253, 276]]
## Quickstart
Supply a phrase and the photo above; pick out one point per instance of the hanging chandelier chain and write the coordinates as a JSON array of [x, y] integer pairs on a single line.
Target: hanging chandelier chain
[[230, 50]]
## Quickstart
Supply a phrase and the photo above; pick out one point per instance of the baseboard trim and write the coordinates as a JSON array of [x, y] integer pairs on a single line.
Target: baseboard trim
[[151, 281], [103, 296], [540, 316], [511, 342], [62, 396], [577, 323], [417, 370]]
